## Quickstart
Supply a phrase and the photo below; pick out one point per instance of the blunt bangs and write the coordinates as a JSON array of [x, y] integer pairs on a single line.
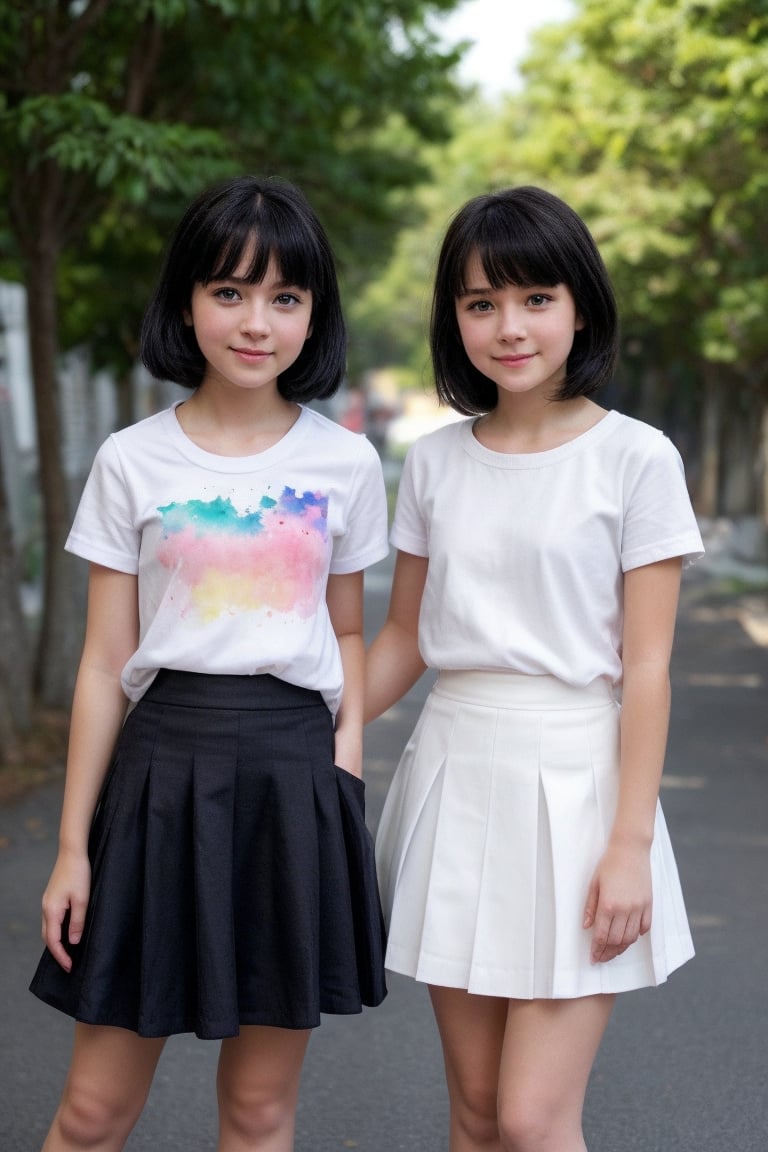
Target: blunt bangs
[[260, 220], [525, 237], [263, 230], [510, 252]]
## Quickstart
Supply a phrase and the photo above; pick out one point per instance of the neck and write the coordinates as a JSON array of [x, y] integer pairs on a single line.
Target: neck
[[236, 422], [529, 423]]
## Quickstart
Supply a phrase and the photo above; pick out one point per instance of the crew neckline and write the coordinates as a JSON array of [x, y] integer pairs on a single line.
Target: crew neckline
[[233, 464], [592, 435]]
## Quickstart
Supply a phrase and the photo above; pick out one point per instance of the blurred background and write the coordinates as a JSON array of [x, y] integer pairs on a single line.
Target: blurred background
[[649, 116]]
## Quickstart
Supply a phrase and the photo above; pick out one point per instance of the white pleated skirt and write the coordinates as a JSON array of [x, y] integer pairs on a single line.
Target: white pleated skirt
[[496, 818]]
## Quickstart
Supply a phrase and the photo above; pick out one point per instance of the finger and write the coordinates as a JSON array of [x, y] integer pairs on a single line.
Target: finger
[[590, 908], [617, 939], [52, 923], [632, 930], [76, 921], [600, 937], [611, 952], [611, 937], [56, 948]]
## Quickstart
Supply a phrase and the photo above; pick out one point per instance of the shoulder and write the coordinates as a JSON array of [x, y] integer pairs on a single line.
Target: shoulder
[[634, 440], [129, 449], [334, 437], [339, 445], [438, 444], [139, 436], [636, 432], [651, 475]]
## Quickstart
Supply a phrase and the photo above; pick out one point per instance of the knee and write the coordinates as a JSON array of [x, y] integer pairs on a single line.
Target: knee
[[87, 1119], [475, 1112], [525, 1128], [255, 1116]]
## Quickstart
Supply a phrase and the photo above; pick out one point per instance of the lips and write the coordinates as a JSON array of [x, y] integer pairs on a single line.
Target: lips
[[514, 361], [252, 354]]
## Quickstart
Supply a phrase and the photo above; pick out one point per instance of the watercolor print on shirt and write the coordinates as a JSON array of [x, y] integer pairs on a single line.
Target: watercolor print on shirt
[[273, 559]]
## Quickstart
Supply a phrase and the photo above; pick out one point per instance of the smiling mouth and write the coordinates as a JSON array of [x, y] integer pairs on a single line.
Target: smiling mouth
[[513, 360]]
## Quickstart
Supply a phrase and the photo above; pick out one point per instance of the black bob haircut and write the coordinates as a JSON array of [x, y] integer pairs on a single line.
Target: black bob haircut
[[526, 237], [274, 218]]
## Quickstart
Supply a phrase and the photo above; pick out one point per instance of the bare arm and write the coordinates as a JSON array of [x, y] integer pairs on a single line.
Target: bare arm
[[620, 900], [394, 662], [98, 711], [344, 597]]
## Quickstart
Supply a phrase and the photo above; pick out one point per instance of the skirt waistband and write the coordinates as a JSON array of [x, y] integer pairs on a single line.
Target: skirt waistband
[[238, 693], [518, 690]]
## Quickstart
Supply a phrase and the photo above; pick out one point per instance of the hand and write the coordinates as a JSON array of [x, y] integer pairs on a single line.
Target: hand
[[68, 891], [619, 902]]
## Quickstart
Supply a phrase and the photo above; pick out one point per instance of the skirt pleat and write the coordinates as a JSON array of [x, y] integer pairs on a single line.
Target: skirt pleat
[[233, 873], [497, 816]]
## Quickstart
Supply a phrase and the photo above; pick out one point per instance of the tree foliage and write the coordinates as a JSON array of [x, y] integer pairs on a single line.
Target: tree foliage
[[651, 118], [113, 113]]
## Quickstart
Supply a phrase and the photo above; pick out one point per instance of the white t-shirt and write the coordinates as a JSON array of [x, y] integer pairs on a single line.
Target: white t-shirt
[[526, 552], [233, 553]]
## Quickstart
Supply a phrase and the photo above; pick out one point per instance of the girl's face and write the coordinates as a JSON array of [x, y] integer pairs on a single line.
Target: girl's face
[[249, 333], [518, 337]]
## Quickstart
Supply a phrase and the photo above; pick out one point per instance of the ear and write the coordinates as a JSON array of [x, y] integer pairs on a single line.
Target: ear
[[187, 315], [580, 323], [309, 333]]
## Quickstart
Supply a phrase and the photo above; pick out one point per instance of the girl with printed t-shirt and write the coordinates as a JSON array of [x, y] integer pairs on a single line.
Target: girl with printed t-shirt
[[215, 873], [525, 868]]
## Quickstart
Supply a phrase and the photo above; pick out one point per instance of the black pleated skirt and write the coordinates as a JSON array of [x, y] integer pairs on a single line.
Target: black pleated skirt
[[233, 872]]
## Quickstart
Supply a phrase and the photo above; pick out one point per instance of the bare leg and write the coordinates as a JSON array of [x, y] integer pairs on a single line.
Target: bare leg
[[517, 1070], [549, 1049], [258, 1087], [472, 1034], [108, 1082]]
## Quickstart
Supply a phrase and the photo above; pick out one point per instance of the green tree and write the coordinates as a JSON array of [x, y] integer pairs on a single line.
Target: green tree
[[15, 701], [654, 116], [114, 111], [650, 117]]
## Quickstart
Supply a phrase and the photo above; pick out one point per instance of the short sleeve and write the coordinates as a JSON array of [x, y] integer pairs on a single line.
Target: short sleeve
[[103, 530], [364, 540], [659, 521], [409, 531]]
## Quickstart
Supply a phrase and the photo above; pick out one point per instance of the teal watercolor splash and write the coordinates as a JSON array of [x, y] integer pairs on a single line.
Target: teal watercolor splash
[[220, 515]]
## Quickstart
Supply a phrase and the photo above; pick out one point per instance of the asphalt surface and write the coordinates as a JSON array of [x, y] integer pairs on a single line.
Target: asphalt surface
[[683, 1068]]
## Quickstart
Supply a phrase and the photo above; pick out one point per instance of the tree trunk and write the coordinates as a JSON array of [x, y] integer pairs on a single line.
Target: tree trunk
[[740, 451], [707, 503], [15, 694], [763, 465], [60, 629], [126, 401], [649, 402]]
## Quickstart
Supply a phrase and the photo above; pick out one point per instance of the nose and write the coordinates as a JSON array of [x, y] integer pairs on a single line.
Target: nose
[[254, 319], [512, 323]]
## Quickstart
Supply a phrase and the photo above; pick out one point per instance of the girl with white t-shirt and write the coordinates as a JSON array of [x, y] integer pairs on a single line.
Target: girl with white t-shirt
[[524, 864], [215, 873]]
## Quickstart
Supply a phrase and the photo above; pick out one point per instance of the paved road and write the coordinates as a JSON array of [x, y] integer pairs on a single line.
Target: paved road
[[683, 1068]]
